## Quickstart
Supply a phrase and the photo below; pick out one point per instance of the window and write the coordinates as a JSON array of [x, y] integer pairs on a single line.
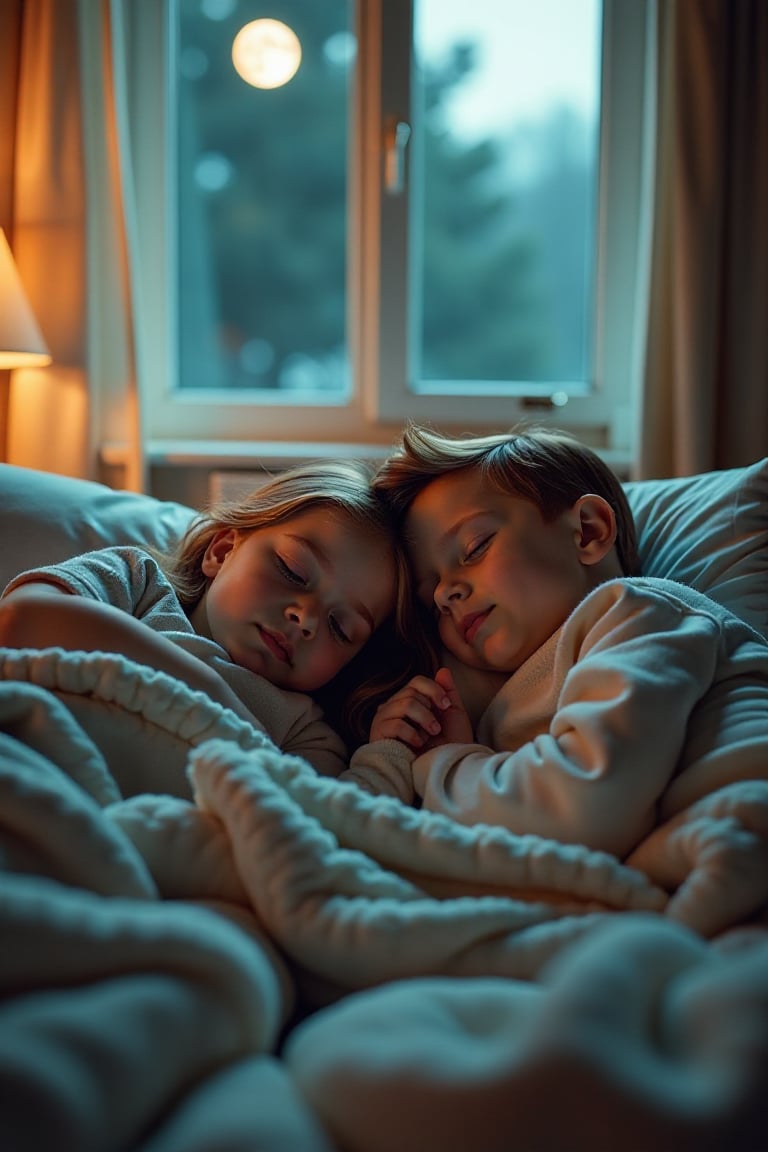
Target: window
[[262, 193], [417, 224]]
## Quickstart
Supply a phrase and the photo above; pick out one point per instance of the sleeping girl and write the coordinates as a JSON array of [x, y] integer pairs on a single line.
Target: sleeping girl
[[262, 606]]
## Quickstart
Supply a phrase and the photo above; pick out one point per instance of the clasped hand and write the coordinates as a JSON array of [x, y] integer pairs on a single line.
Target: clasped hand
[[425, 714]]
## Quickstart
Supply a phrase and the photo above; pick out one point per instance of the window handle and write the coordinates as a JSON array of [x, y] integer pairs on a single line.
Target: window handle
[[396, 135]]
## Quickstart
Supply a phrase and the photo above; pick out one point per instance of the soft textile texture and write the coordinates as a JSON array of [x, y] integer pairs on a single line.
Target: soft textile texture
[[128, 1002], [333, 853], [159, 947], [154, 933], [637, 1037], [709, 531], [49, 518]]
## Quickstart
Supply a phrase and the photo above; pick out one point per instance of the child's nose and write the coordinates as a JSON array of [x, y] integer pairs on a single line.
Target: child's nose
[[450, 589], [305, 615]]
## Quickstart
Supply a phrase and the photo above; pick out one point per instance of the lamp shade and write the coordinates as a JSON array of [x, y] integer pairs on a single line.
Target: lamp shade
[[21, 343]]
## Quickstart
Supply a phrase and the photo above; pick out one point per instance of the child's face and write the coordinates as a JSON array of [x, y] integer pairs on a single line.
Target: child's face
[[295, 602], [501, 579]]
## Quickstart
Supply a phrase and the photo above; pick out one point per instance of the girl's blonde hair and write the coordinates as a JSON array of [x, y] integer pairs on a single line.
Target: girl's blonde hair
[[343, 487], [549, 468]]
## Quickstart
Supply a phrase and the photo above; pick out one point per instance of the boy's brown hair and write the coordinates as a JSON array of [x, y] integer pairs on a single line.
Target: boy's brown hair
[[549, 468]]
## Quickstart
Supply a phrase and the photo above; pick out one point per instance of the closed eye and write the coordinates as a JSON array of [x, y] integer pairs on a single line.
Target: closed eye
[[289, 573], [337, 631], [476, 549]]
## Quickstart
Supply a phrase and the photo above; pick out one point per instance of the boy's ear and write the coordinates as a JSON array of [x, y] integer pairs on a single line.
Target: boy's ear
[[595, 528], [217, 551]]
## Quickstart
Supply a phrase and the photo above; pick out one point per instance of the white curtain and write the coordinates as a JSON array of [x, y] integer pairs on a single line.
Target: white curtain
[[704, 374], [73, 232]]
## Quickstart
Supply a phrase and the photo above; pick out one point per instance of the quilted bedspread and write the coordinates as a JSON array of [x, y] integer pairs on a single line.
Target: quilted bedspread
[[205, 946]]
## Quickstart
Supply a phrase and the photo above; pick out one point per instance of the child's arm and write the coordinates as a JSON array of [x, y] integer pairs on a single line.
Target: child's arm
[[42, 615]]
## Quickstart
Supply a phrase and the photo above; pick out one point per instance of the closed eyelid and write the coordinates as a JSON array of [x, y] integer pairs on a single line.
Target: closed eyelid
[[321, 558], [452, 547], [312, 548], [337, 627], [354, 617], [474, 522], [291, 571], [355, 631], [477, 544]]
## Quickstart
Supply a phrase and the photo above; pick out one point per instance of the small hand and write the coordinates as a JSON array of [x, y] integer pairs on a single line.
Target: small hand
[[424, 714], [455, 724]]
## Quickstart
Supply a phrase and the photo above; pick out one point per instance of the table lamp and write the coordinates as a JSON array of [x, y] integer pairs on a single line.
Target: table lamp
[[21, 342]]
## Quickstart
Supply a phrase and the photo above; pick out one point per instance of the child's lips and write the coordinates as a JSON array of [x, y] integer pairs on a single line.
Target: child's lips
[[277, 644], [471, 623]]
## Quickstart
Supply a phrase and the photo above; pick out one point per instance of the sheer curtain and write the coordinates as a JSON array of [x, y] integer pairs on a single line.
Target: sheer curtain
[[69, 209], [704, 372]]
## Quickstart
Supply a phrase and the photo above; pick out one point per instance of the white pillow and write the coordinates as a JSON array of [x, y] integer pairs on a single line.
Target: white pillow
[[45, 518], [709, 531]]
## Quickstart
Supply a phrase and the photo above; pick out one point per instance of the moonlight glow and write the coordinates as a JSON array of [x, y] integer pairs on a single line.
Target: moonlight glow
[[266, 53]]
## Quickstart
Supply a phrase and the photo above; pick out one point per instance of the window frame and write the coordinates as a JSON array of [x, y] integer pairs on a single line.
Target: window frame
[[604, 405], [378, 292]]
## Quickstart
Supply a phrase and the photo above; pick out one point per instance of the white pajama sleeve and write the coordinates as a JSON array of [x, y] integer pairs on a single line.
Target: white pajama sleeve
[[383, 768], [631, 679]]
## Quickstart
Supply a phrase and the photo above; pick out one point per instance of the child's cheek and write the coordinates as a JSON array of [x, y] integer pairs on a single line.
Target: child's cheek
[[452, 641]]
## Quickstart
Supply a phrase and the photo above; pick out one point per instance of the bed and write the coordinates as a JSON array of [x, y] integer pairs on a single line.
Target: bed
[[207, 948]]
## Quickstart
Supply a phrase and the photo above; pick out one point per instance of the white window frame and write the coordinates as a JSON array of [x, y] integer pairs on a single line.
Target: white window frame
[[601, 403], [378, 293]]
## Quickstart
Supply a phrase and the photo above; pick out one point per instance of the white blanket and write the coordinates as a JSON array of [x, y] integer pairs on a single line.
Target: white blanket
[[178, 930]]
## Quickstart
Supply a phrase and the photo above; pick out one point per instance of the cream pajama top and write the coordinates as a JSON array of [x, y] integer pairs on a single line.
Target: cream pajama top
[[648, 697]]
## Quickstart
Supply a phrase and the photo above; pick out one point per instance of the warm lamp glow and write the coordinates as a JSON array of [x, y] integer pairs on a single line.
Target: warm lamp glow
[[266, 53], [21, 343]]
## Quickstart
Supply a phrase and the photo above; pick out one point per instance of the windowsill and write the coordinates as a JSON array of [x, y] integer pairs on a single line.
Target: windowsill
[[183, 470], [255, 453]]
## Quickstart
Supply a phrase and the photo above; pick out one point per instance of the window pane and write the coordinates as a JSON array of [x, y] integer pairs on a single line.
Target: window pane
[[262, 199], [504, 176]]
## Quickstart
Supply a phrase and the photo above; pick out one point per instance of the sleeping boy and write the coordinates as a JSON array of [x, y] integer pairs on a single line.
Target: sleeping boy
[[608, 701]]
